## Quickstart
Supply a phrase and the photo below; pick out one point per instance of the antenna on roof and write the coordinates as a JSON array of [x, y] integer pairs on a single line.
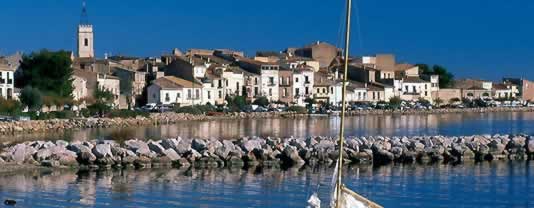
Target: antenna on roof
[[84, 20]]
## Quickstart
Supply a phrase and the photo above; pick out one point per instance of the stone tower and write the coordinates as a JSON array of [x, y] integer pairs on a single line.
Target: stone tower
[[85, 36]]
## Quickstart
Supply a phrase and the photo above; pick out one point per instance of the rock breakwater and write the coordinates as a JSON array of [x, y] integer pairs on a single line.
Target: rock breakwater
[[268, 152]]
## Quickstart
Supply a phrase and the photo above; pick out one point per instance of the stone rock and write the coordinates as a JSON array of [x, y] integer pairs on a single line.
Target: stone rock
[[138, 147], [183, 147], [78, 148], [87, 158], [62, 143], [65, 158], [519, 141], [42, 154], [171, 154], [102, 151], [156, 147], [199, 145], [530, 146], [50, 163], [170, 143], [290, 155], [20, 153], [250, 145]]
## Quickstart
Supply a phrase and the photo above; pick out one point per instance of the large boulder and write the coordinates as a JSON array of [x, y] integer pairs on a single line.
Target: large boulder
[[138, 147], [171, 154], [42, 154], [291, 156], [86, 158], [102, 151], [250, 145], [170, 143], [183, 147], [78, 148], [199, 145], [156, 147]]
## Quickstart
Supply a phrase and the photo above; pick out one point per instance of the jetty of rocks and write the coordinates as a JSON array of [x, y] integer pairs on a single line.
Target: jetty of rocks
[[268, 152]]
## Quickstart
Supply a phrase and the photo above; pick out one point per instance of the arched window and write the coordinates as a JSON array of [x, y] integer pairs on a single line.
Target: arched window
[[485, 94], [470, 94]]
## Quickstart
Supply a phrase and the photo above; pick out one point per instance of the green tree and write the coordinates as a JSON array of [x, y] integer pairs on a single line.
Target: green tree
[[236, 103], [31, 97], [261, 101], [438, 102], [48, 71], [446, 79], [310, 102], [395, 102], [9, 107]]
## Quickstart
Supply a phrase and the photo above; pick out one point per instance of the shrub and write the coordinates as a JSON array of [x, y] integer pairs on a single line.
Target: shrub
[[395, 102], [261, 101], [10, 107], [189, 110], [31, 97], [127, 114], [297, 109]]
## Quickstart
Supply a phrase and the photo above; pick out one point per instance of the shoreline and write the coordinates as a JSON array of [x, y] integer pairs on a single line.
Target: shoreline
[[37, 126], [263, 152]]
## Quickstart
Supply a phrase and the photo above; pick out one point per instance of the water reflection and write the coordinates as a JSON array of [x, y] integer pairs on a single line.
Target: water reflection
[[477, 185], [387, 125]]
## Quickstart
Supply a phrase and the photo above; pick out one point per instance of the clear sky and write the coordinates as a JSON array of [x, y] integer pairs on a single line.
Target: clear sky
[[473, 38]]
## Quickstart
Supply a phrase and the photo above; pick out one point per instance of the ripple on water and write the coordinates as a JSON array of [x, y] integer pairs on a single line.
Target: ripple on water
[[482, 185]]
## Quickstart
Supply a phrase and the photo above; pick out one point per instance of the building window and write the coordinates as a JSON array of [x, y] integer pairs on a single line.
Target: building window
[[237, 87], [197, 94], [270, 92], [331, 90], [177, 95], [167, 97], [318, 91], [220, 94], [307, 90], [324, 90], [256, 91], [470, 94], [271, 80], [209, 94], [306, 80], [296, 80], [86, 42], [189, 94], [227, 83], [9, 93], [285, 92], [297, 92], [256, 81]]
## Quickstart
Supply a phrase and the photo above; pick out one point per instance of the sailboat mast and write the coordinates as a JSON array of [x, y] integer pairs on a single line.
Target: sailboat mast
[[339, 183]]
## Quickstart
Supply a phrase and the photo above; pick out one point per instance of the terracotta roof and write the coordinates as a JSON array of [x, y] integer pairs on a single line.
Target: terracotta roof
[[403, 67], [171, 82]]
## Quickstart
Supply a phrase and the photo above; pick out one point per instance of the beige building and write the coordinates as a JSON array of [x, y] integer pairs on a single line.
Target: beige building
[[7, 81], [111, 84], [80, 88]]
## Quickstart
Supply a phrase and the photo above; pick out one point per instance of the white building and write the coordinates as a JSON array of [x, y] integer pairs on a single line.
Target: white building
[[303, 80], [269, 82], [413, 88], [111, 84], [80, 88], [173, 90], [7, 81]]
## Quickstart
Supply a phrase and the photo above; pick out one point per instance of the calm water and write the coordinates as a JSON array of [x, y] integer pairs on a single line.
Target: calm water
[[476, 185], [386, 125]]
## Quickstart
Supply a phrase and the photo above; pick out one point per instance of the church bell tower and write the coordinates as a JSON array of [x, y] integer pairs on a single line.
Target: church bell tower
[[85, 36]]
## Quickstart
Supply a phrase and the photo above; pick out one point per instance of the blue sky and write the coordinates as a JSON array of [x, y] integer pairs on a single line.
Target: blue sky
[[474, 38]]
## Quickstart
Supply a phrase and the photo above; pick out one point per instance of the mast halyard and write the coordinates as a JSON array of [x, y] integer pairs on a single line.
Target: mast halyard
[[339, 183]]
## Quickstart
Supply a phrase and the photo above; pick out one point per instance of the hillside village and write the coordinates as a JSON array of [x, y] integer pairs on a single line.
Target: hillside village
[[297, 76]]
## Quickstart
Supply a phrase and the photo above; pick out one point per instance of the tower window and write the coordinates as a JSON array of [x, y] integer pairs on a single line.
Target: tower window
[[86, 42]]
